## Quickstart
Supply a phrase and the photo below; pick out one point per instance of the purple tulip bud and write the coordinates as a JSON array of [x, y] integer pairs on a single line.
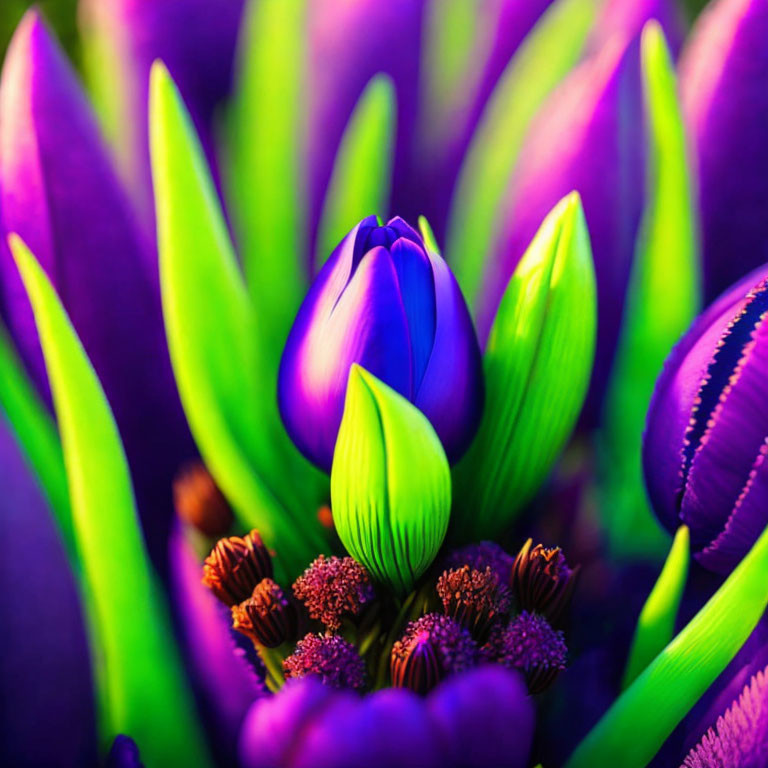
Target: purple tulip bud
[[705, 444], [384, 301], [723, 72], [588, 137]]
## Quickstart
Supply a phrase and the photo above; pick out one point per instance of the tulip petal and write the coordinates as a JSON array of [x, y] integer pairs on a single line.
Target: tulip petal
[[588, 137], [722, 73], [546, 55], [121, 39], [45, 671], [484, 717], [537, 367], [662, 301], [141, 686], [390, 483], [366, 324], [211, 331], [60, 194], [362, 170]]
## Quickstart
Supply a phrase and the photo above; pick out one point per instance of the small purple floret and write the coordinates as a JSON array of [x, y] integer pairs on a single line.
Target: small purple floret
[[329, 657], [485, 554]]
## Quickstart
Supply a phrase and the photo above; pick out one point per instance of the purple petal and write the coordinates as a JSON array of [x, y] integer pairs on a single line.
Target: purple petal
[[589, 138], [484, 717], [724, 68], [227, 682], [366, 324], [273, 725], [670, 411], [48, 707], [197, 44], [351, 42], [451, 392], [59, 193], [626, 19]]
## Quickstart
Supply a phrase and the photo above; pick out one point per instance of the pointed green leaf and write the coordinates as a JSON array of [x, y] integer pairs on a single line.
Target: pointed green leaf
[[362, 171], [390, 483], [548, 53], [266, 178], [656, 623], [428, 235], [142, 688], [537, 367], [38, 437], [662, 301], [637, 724], [211, 330]]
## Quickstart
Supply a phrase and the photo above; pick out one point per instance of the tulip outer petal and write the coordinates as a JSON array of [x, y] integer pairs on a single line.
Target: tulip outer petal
[[390, 483], [141, 686]]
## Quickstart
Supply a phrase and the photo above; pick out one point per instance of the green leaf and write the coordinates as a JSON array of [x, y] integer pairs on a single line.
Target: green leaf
[[211, 330], [537, 367], [632, 731], [545, 57], [38, 437], [656, 623], [662, 301], [428, 235], [390, 483], [141, 684], [362, 171], [266, 178]]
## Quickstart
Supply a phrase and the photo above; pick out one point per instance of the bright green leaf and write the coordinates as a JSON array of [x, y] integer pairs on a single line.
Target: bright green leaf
[[39, 439], [362, 172], [662, 301], [390, 483], [637, 724], [656, 623], [266, 180], [211, 330], [537, 367], [142, 688], [548, 53], [428, 235]]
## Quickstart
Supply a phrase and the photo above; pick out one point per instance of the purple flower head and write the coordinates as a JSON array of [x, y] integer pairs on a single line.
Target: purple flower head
[[382, 300], [329, 657], [705, 447], [530, 645], [542, 580], [267, 616], [479, 718], [124, 753], [431, 648], [485, 554], [475, 599], [332, 587], [723, 70], [739, 739]]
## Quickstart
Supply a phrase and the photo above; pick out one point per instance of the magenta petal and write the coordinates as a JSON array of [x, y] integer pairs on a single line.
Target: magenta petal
[[452, 390], [484, 718], [626, 19], [58, 191], [366, 324], [723, 72], [48, 716], [588, 137]]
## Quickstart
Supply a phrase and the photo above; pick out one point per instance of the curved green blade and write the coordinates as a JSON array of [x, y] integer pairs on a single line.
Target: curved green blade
[[537, 368], [656, 623], [38, 437], [390, 483], [633, 730], [212, 336], [362, 171], [142, 689], [662, 301], [545, 57]]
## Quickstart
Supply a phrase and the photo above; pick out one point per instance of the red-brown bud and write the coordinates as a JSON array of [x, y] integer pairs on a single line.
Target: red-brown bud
[[199, 502], [235, 566], [268, 616]]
